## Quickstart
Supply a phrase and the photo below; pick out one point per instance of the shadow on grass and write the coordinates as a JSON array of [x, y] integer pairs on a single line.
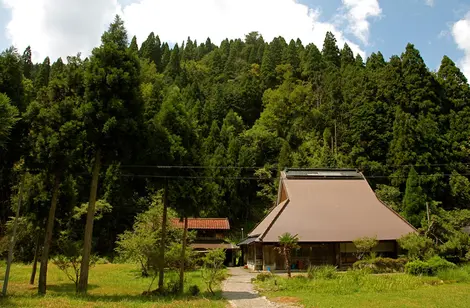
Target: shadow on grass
[[7, 302], [68, 290], [67, 287]]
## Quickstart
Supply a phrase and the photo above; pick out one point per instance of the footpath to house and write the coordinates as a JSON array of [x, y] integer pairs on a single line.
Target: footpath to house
[[240, 293]]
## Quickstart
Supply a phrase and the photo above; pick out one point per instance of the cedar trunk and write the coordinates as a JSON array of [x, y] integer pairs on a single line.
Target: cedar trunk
[[83, 281], [162, 243], [36, 256], [183, 254], [48, 237]]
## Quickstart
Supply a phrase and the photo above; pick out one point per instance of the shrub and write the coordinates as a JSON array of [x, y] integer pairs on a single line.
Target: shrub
[[382, 265], [364, 245], [194, 290], [430, 267], [437, 264], [322, 272], [102, 260], [264, 276], [417, 267], [417, 246], [212, 271]]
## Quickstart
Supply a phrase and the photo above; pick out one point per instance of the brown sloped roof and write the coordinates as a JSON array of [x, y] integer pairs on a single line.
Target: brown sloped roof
[[263, 226], [204, 223], [331, 210]]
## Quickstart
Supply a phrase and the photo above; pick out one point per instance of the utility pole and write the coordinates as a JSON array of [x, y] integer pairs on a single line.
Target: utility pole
[[12, 240]]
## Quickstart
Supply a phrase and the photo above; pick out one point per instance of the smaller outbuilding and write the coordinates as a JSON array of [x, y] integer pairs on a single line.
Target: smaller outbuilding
[[211, 233]]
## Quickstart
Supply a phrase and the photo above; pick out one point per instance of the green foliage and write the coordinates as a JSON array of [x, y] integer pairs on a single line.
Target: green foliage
[[429, 267], [8, 118], [70, 259], [264, 276], [287, 243], [194, 290], [322, 272], [364, 245], [455, 274], [141, 245], [213, 268], [416, 246], [381, 265]]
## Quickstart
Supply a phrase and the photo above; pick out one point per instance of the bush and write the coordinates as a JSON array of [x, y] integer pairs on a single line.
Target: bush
[[430, 267], [437, 264], [194, 290], [322, 272], [213, 270], [364, 246], [382, 265], [102, 260], [417, 246], [264, 276], [417, 267]]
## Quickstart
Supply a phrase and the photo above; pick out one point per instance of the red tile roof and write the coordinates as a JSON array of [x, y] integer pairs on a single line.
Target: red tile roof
[[204, 223]]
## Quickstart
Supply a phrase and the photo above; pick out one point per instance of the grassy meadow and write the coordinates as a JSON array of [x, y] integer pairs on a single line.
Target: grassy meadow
[[450, 288], [110, 285]]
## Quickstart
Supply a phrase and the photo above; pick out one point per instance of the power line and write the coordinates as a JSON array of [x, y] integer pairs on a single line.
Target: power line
[[273, 168]]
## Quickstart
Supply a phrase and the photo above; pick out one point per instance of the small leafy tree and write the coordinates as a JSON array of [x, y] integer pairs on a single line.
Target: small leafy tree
[[70, 260], [142, 243], [287, 242], [364, 246], [417, 246], [212, 270]]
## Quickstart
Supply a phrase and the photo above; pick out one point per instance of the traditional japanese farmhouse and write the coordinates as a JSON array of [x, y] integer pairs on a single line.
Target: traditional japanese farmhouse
[[328, 209]]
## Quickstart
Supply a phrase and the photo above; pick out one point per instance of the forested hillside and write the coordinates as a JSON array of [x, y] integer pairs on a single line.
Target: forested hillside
[[217, 124]]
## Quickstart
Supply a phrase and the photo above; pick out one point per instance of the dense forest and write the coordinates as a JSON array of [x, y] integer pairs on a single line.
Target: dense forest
[[215, 125]]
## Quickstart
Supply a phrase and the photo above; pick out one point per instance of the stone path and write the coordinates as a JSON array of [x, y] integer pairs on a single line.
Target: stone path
[[240, 293]]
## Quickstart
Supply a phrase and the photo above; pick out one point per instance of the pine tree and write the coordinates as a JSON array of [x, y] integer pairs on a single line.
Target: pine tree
[[133, 46], [43, 75], [330, 51], [173, 68], [347, 56], [414, 201], [27, 63]]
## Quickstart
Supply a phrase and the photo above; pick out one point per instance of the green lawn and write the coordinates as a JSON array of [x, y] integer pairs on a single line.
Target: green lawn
[[110, 285], [365, 290]]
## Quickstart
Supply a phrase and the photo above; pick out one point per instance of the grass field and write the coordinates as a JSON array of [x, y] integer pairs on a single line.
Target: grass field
[[110, 285], [352, 289]]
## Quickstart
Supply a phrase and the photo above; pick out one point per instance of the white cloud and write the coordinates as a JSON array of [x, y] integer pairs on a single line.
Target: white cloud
[[429, 3], [60, 28], [175, 20], [357, 13], [461, 34]]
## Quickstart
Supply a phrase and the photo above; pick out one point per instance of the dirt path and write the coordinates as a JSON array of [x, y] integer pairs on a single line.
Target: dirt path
[[240, 293]]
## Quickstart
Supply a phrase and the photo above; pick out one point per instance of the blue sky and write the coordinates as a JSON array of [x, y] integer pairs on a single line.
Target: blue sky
[[60, 28]]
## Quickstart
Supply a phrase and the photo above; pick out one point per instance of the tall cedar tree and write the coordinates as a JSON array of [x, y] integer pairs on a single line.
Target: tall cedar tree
[[111, 113], [56, 136]]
